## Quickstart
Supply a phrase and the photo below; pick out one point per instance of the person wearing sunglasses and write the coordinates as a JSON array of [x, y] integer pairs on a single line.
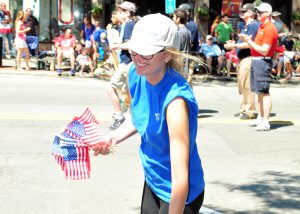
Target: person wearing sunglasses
[[262, 50], [247, 107], [164, 113]]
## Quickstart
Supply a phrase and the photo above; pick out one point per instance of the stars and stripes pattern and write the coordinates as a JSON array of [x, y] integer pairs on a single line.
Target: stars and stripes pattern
[[71, 148]]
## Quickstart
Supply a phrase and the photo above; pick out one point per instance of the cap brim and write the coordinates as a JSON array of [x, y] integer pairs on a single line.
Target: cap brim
[[245, 10], [142, 48]]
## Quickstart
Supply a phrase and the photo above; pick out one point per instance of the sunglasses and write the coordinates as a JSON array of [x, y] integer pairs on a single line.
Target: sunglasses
[[146, 57], [260, 12]]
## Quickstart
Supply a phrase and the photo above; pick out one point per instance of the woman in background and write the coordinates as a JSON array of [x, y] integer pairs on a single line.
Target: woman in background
[[20, 40]]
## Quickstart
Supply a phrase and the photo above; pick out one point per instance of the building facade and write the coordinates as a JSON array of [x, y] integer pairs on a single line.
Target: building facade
[[54, 15]]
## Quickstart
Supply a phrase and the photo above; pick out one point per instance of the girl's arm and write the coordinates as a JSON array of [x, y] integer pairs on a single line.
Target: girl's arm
[[18, 28], [125, 131], [178, 125]]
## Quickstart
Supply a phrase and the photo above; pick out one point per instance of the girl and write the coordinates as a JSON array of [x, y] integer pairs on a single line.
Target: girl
[[164, 113], [20, 40]]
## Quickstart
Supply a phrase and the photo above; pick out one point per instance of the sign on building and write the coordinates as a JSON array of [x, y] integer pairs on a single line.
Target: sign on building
[[170, 6]]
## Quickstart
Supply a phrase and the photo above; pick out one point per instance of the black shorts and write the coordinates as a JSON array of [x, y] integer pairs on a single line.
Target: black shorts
[[260, 77], [151, 204]]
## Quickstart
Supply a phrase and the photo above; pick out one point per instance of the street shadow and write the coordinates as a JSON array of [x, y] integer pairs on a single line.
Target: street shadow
[[276, 124], [206, 113], [278, 191]]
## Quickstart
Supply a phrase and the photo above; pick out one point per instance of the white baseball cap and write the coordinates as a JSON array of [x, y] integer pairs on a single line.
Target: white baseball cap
[[209, 37], [126, 5], [152, 33], [264, 7]]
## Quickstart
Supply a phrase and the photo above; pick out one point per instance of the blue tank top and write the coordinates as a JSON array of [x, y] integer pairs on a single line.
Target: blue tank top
[[148, 108]]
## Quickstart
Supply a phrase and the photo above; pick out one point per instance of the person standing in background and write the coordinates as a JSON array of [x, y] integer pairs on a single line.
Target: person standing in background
[[32, 38], [247, 107], [6, 31], [224, 31], [185, 38], [118, 83], [86, 32], [262, 50], [20, 40], [281, 27], [195, 35]]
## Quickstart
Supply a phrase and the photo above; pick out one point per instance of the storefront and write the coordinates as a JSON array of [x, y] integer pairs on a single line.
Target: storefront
[[53, 15]]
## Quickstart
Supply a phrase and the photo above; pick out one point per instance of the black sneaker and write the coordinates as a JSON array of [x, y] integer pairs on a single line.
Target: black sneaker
[[117, 123]]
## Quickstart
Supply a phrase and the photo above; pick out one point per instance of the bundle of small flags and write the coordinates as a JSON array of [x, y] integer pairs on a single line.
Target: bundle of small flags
[[71, 147]]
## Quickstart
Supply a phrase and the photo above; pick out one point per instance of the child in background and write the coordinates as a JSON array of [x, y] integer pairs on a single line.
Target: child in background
[[232, 59], [84, 60], [100, 48]]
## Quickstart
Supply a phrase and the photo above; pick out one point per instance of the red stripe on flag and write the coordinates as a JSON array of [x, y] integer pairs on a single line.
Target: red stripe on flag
[[80, 168], [87, 117], [93, 134]]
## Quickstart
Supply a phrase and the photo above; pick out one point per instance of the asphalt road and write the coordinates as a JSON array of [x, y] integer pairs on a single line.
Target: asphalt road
[[245, 171]]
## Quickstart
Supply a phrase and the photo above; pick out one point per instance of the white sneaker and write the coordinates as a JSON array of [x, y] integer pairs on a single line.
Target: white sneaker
[[255, 123], [262, 127]]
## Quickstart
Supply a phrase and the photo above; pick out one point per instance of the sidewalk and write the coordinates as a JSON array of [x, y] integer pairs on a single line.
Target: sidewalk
[[9, 68]]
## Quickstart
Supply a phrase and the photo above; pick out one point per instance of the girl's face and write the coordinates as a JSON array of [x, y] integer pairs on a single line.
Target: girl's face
[[153, 69]]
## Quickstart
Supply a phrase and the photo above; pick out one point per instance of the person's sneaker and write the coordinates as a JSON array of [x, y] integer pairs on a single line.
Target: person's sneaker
[[59, 72], [255, 123], [247, 116], [72, 72], [262, 127], [117, 123]]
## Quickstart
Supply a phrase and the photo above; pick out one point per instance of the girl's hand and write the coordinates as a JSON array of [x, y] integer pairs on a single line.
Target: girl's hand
[[103, 148]]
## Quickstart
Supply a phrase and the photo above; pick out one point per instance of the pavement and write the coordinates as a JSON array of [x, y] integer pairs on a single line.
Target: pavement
[[8, 67], [257, 173]]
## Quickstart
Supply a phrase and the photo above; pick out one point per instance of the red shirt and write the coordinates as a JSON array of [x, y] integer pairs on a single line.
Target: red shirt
[[66, 43], [266, 34]]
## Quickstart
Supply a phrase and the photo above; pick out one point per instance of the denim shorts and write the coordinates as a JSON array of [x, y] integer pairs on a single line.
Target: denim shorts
[[260, 77]]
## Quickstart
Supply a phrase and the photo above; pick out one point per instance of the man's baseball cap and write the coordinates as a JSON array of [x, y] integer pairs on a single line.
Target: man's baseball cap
[[247, 7], [152, 33], [264, 7], [126, 5]]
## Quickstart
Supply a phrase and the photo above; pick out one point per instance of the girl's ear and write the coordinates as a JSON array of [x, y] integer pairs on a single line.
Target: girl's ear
[[168, 57]]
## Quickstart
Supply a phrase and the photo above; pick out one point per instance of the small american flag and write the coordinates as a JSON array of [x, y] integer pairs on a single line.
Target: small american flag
[[71, 149]]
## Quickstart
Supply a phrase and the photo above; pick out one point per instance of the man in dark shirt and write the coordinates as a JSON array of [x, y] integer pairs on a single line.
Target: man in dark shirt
[[193, 28], [32, 38]]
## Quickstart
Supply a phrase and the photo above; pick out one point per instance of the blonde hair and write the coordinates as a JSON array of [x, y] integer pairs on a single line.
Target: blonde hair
[[20, 16], [177, 59]]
